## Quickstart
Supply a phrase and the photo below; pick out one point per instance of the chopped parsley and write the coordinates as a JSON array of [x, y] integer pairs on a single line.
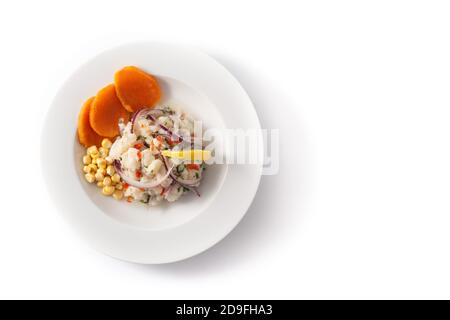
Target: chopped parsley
[[180, 168]]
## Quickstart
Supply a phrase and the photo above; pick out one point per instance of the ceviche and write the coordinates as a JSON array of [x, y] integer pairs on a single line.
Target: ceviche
[[136, 149], [149, 173]]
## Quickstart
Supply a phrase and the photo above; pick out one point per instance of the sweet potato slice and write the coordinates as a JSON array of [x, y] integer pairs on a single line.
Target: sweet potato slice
[[136, 89], [106, 111], [86, 135]]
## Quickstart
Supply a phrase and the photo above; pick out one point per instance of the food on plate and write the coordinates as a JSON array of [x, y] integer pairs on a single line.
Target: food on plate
[[106, 111], [139, 156], [86, 135], [136, 89], [155, 155]]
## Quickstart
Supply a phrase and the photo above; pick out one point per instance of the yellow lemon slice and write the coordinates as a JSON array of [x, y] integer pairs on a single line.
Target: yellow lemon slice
[[200, 155]]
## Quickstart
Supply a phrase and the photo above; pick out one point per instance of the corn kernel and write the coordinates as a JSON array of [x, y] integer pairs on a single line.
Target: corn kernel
[[99, 176], [87, 159], [102, 171], [100, 184], [86, 169], [108, 190], [101, 163], [93, 167], [106, 143], [103, 153], [110, 170], [119, 186], [115, 177], [107, 181], [89, 177], [92, 150], [95, 156], [109, 160], [118, 194]]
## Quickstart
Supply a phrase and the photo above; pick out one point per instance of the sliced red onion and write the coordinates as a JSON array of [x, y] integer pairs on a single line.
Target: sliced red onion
[[153, 114], [169, 132], [174, 183], [133, 119], [194, 190], [183, 182], [138, 184], [142, 113], [187, 182]]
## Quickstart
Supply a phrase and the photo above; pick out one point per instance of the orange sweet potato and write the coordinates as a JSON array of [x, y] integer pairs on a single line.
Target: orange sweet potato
[[136, 89], [86, 135], [106, 111]]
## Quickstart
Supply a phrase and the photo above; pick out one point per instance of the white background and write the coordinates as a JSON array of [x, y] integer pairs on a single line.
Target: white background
[[361, 93]]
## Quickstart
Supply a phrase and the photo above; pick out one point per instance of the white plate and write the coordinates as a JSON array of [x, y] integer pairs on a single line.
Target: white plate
[[135, 232]]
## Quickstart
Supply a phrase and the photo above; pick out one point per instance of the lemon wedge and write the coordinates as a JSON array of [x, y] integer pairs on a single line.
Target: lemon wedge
[[200, 155]]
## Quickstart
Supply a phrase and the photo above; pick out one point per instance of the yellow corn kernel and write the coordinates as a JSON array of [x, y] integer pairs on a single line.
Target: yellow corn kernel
[[108, 190], [115, 177], [99, 176], [95, 156], [106, 143], [103, 152], [87, 169], [93, 167], [107, 181], [89, 177], [102, 171], [87, 159], [110, 170], [92, 150], [101, 163], [119, 186], [100, 184], [109, 160], [118, 194]]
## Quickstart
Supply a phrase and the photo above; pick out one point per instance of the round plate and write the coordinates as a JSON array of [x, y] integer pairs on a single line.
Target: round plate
[[135, 232]]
